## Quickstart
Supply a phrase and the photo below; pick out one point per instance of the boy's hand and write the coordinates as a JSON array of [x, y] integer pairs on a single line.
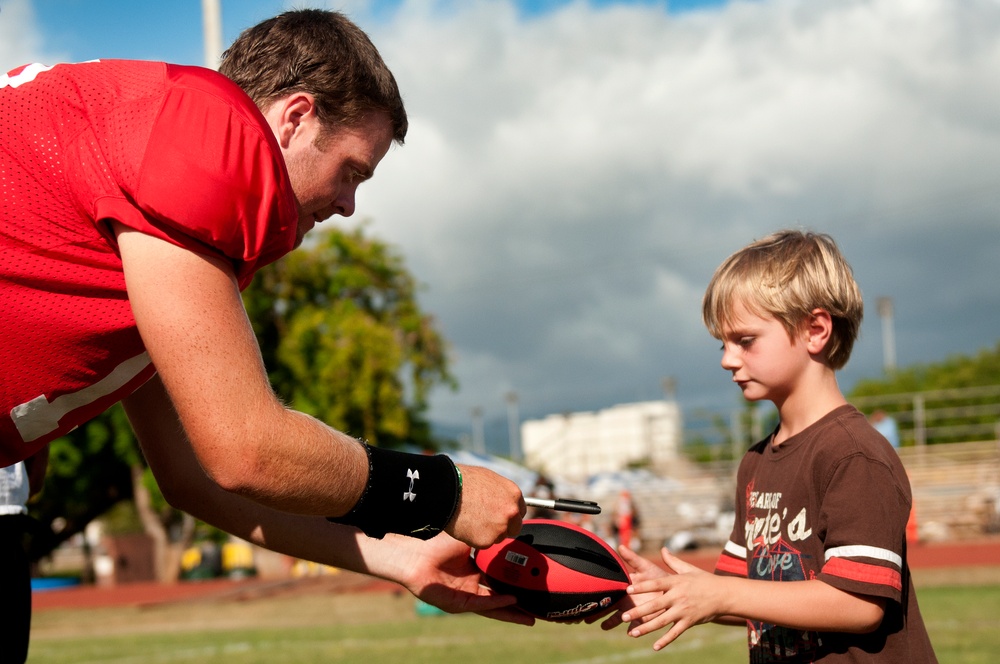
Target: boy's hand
[[688, 597], [640, 569]]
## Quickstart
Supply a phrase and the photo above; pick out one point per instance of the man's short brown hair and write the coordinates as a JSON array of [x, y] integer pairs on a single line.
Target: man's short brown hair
[[787, 275], [322, 53]]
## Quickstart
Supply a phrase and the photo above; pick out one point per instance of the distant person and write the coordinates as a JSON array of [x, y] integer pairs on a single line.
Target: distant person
[[626, 521], [138, 199], [816, 564], [18, 482], [544, 489], [886, 425]]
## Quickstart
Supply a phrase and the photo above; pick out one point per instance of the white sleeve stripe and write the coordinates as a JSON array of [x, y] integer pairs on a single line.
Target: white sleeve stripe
[[734, 549], [859, 551]]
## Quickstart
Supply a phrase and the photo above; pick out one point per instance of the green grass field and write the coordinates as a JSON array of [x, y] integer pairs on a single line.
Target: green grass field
[[964, 622]]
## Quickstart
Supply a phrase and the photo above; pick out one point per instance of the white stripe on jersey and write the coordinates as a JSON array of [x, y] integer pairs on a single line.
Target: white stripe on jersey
[[26, 75], [734, 549], [859, 551]]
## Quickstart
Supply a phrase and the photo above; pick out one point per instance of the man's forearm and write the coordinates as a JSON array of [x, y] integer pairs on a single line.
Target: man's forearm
[[330, 485]]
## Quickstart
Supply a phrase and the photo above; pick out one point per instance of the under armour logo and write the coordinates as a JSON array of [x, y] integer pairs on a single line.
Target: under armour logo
[[413, 475]]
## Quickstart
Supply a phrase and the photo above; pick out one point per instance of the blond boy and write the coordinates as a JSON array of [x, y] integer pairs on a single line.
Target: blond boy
[[816, 562]]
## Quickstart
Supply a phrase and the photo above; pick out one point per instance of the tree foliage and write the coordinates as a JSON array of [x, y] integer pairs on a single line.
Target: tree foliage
[[88, 472], [345, 339], [955, 400], [91, 471], [982, 368]]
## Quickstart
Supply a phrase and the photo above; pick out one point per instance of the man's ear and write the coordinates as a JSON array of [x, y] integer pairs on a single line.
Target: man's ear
[[290, 115], [817, 328]]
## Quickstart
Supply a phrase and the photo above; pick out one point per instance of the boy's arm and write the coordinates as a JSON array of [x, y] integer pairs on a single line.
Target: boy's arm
[[692, 597], [641, 569]]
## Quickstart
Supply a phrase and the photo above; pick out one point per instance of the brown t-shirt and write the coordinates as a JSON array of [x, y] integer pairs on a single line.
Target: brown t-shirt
[[829, 503]]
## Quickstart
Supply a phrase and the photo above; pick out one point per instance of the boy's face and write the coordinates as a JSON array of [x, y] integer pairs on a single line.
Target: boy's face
[[765, 362]]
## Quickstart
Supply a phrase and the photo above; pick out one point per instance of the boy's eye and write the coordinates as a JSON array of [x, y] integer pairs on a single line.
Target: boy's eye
[[746, 342]]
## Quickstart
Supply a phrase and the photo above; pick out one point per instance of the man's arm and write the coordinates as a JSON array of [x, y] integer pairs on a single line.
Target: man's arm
[[193, 324], [187, 487], [438, 571]]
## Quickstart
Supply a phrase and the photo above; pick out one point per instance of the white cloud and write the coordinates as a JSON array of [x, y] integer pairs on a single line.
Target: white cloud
[[20, 40], [570, 182]]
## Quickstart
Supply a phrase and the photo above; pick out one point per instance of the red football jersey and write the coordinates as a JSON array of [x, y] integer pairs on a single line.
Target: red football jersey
[[176, 152]]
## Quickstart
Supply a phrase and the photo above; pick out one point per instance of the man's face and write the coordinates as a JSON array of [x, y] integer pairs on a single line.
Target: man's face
[[325, 168]]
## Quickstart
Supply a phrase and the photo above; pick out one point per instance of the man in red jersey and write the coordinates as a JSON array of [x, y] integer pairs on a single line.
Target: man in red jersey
[[136, 200]]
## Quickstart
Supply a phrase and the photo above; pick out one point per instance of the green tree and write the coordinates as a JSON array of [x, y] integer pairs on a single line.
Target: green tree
[[345, 339], [89, 471], [980, 369], [93, 469], [957, 398]]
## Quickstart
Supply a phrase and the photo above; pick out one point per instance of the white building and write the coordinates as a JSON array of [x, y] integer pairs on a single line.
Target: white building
[[576, 445]]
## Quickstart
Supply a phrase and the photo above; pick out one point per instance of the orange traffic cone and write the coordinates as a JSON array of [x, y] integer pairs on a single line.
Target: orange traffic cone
[[912, 536]]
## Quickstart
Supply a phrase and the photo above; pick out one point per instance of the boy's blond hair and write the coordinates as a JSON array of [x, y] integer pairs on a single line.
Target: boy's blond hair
[[787, 275]]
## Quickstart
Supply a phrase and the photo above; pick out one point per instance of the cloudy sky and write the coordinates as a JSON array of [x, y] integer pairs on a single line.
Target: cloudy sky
[[575, 171]]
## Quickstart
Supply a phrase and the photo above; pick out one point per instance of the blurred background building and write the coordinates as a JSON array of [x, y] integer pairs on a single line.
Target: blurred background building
[[578, 445]]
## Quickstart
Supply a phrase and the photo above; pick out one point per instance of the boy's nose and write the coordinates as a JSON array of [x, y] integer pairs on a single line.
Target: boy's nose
[[728, 361]]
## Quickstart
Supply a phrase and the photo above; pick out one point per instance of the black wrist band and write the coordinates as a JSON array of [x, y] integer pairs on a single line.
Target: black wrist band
[[409, 494]]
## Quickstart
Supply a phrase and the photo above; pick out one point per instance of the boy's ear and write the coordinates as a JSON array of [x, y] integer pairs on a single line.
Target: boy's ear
[[818, 328]]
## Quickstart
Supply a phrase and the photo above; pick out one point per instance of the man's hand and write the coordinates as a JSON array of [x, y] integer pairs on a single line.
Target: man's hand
[[440, 572], [490, 510]]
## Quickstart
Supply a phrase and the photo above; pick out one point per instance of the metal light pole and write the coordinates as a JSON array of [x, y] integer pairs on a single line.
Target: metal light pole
[[884, 305], [211, 16], [670, 388], [513, 426], [478, 431]]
